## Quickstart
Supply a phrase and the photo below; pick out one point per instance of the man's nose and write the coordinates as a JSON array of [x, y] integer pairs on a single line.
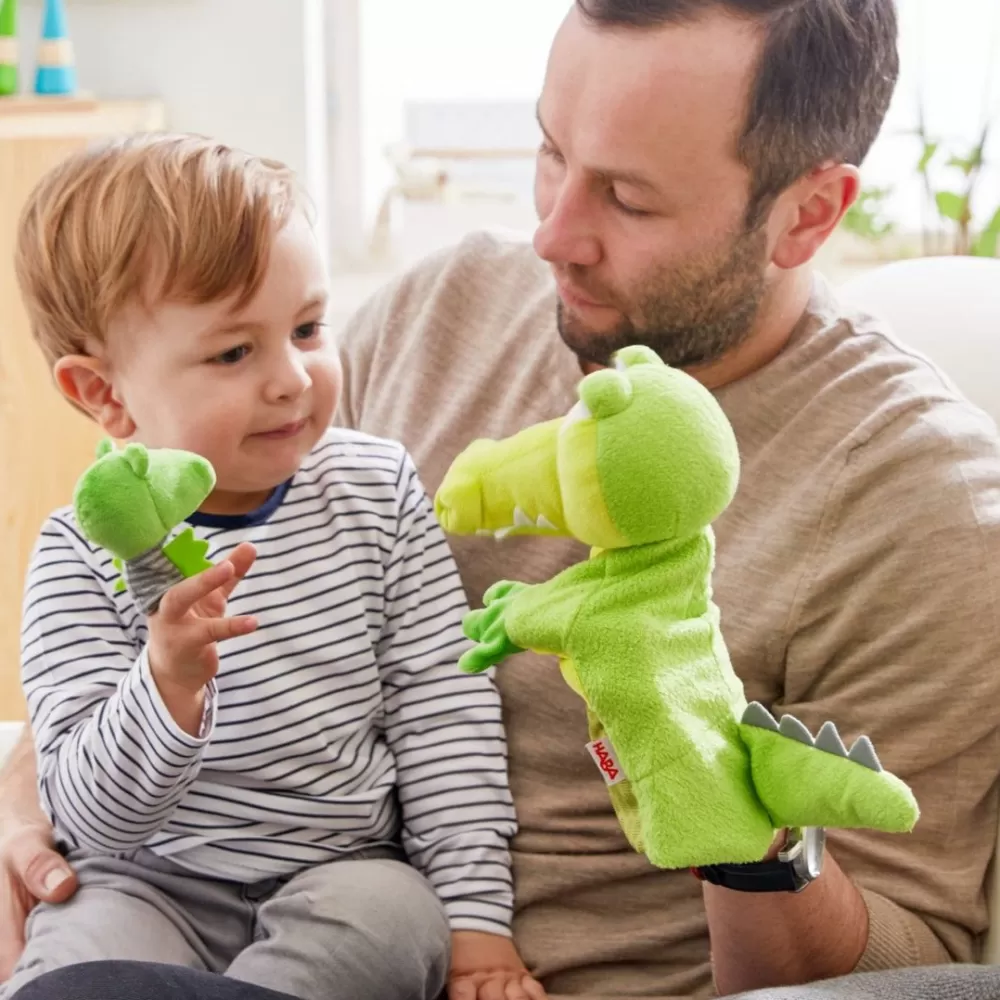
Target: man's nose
[[566, 232]]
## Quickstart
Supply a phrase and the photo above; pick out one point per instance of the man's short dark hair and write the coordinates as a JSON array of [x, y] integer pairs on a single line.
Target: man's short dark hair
[[823, 85]]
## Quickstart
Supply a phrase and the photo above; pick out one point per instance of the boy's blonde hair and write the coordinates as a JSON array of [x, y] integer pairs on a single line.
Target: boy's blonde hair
[[143, 219]]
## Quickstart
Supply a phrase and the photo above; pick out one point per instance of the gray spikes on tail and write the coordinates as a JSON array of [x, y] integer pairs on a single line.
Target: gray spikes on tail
[[828, 739], [757, 715], [864, 753], [795, 730]]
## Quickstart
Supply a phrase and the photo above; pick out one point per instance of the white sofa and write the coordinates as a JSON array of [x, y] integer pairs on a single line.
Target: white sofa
[[947, 308]]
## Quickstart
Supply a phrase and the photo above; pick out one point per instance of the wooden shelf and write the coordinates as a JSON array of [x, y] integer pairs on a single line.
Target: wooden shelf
[[30, 117], [44, 443], [26, 104]]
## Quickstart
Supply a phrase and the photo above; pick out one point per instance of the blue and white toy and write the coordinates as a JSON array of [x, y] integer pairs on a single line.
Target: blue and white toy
[[56, 73]]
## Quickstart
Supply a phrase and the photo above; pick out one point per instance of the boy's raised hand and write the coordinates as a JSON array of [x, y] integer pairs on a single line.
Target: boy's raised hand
[[184, 630]]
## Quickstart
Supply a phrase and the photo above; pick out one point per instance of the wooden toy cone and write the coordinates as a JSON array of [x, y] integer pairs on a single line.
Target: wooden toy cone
[[56, 70], [8, 47]]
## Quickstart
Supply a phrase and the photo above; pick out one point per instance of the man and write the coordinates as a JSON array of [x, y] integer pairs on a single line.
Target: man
[[697, 153]]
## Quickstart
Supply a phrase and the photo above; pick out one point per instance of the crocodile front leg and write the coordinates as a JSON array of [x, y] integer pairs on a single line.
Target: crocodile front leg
[[487, 628]]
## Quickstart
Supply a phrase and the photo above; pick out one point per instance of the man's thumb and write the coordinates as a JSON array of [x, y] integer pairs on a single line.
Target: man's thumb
[[43, 871]]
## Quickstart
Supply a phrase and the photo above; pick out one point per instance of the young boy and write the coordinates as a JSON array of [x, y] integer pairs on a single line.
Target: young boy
[[249, 808]]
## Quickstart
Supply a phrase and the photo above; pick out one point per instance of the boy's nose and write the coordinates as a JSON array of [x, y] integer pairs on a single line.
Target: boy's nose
[[289, 380]]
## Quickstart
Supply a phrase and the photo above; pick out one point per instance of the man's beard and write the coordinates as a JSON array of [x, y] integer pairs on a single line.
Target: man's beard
[[691, 315]]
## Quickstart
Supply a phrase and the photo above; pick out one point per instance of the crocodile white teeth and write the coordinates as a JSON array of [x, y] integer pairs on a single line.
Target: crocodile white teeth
[[578, 413], [521, 520]]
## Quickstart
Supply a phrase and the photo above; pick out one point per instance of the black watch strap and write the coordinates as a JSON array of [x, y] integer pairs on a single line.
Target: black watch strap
[[760, 876]]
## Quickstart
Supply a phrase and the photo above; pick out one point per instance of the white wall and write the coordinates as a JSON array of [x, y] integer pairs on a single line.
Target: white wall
[[444, 50], [950, 54], [470, 49], [346, 173], [250, 72]]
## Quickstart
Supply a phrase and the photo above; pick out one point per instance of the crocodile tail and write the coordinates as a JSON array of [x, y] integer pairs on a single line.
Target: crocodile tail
[[816, 781]]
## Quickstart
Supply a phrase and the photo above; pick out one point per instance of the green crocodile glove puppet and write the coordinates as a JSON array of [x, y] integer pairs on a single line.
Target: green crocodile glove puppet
[[639, 470], [130, 501]]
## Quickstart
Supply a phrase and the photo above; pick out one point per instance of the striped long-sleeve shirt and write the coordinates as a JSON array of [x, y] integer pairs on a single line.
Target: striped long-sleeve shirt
[[342, 722]]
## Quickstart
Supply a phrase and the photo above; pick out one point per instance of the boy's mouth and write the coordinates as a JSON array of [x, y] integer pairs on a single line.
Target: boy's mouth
[[284, 431]]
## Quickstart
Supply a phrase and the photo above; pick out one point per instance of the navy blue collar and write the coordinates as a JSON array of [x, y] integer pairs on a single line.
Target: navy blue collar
[[248, 520]]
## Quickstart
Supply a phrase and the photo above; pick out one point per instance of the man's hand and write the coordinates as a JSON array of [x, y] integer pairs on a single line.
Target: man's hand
[[488, 967], [183, 656], [30, 870]]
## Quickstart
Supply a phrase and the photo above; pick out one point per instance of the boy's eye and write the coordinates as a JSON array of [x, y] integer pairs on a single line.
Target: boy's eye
[[233, 356], [308, 331]]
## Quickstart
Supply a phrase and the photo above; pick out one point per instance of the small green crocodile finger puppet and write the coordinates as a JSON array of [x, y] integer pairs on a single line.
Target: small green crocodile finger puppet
[[638, 470], [131, 500]]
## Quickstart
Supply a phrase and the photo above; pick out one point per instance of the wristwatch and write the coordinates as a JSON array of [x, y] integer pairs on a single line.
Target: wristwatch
[[798, 863]]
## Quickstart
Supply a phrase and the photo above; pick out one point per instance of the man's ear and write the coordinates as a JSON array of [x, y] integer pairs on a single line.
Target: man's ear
[[84, 381], [810, 210]]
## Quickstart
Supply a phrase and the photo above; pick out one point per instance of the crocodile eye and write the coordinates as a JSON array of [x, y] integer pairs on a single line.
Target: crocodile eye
[[606, 393]]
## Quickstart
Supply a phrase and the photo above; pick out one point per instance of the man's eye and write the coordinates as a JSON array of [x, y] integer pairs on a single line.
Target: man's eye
[[308, 331], [626, 209], [548, 150], [233, 356]]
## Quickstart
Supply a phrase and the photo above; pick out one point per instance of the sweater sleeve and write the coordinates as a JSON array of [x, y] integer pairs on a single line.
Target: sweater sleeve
[[897, 635], [444, 728], [112, 763]]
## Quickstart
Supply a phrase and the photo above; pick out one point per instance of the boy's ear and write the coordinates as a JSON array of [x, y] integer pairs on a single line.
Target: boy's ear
[[85, 383]]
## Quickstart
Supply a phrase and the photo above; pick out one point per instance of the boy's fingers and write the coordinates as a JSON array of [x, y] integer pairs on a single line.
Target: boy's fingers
[[514, 991], [241, 559], [493, 988], [179, 599], [213, 606], [462, 989], [533, 988], [220, 629]]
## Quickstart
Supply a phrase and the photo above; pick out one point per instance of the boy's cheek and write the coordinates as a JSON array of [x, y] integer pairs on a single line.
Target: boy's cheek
[[330, 376]]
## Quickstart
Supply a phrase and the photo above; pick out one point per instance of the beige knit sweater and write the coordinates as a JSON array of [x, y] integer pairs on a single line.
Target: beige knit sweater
[[858, 577]]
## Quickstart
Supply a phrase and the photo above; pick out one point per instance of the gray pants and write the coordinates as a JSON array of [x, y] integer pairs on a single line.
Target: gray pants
[[359, 928], [135, 981]]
